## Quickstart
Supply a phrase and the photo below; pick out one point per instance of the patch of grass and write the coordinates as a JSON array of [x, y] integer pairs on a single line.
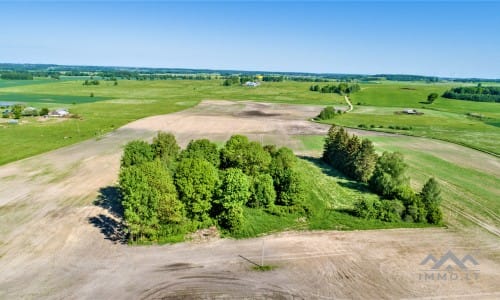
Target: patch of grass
[[330, 203], [264, 268]]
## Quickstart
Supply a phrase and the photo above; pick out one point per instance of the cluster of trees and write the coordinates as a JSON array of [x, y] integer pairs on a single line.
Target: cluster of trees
[[342, 88], [386, 176], [168, 192], [16, 75], [91, 82], [19, 110], [328, 113], [477, 93]]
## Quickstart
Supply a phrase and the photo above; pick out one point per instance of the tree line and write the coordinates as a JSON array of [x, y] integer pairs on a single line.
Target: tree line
[[386, 176], [477, 93], [168, 192], [16, 76], [342, 88]]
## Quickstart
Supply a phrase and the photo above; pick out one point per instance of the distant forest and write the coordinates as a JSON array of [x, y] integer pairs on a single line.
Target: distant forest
[[28, 71], [478, 93]]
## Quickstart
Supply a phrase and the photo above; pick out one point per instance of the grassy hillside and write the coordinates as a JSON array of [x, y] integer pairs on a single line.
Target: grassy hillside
[[331, 197], [470, 190]]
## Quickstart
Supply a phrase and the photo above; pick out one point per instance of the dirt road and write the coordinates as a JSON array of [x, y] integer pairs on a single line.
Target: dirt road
[[55, 243]]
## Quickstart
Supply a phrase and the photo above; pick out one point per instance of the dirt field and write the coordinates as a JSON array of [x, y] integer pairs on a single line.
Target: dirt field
[[55, 243]]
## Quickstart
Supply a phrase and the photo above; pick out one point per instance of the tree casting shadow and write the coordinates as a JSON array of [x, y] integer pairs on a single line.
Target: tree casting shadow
[[111, 226]]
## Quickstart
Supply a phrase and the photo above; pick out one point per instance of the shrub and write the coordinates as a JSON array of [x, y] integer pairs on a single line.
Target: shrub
[[327, 113]]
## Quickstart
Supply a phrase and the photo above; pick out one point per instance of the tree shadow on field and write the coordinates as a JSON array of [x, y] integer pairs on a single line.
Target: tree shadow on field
[[343, 181], [110, 224]]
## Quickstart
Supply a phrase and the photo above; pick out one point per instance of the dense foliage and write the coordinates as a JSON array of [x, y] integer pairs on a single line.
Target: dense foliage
[[386, 176], [167, 193], [477, 93], [342, 88], [328, 113], [16, 76]]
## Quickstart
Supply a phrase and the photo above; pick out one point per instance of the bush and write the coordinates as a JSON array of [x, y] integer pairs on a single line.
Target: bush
[[366, 208], [44, 111], [327, 113]]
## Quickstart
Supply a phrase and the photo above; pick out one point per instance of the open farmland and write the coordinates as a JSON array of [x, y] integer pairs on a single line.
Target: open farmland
[[55, 238]]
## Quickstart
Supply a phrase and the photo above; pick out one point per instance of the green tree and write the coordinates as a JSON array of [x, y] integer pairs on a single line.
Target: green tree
[[135, 153], [165, 146], [262, 191], [351, 152], [234, 192], [389, 175], [431, 198], [203, 149], [247, 156], [149, 200], [288, 183], [327, 113], [364, 162], [44, 111], [196, 180], [17, 111], [432, 97]]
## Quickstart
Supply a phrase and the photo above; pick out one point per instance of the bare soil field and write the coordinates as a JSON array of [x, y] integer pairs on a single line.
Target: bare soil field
[[56, 243]]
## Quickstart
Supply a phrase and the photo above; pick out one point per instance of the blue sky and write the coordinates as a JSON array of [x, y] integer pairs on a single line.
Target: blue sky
[[458, 39]]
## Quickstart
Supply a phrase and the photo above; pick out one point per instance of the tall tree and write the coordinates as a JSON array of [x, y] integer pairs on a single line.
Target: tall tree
[[165, 146], [364, 162], [196, 180], [135, 153], [431, 198]]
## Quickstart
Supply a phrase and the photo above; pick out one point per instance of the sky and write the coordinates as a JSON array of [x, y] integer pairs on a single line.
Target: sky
[[450, 39]]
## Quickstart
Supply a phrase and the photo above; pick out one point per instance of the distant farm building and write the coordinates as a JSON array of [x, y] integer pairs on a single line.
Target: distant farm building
[[251, 83], [409, 111], [58, 113]]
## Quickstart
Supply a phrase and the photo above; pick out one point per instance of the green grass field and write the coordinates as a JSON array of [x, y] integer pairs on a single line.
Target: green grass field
[[445, 119], [118, 105], [113, 106]]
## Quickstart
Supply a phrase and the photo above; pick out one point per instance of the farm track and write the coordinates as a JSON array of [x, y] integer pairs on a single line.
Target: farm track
[[55, 243]]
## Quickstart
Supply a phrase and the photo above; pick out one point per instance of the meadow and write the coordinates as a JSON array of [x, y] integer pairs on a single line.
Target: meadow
[[113, 106]]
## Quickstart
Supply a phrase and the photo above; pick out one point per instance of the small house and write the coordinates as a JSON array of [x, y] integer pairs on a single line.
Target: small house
[[58, 113], [251, 83], [410, 111]]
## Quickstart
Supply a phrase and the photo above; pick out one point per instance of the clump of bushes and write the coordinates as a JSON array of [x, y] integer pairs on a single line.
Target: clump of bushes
[[168, 192], [328, 113]]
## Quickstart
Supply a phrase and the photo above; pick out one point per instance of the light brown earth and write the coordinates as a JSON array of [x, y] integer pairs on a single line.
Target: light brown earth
[[52, 243]]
